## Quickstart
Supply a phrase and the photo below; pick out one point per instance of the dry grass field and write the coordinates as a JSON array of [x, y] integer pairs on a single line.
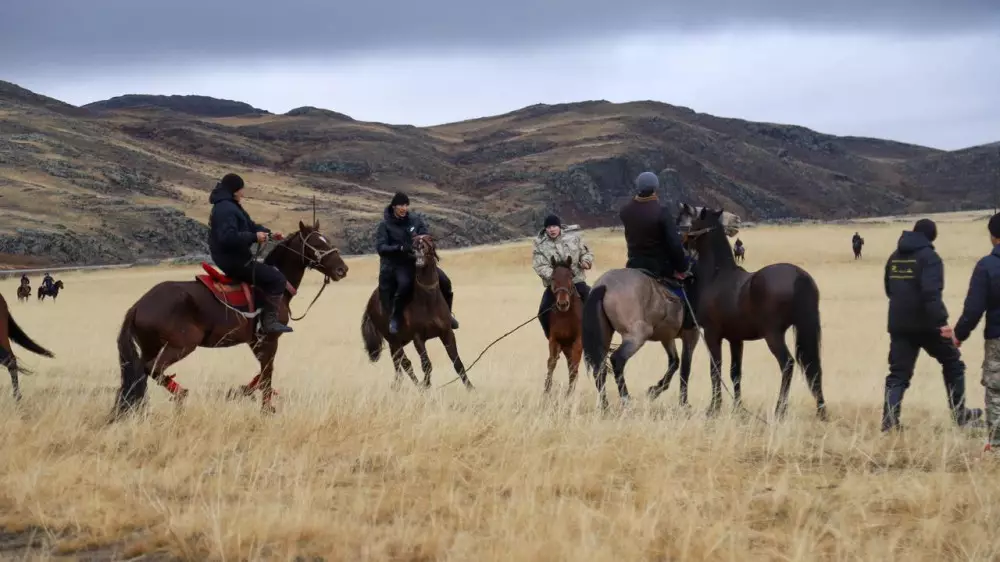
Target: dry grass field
[[351, 470]]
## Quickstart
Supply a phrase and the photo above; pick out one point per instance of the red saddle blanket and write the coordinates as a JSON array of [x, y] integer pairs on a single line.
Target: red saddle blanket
[[234, 293]]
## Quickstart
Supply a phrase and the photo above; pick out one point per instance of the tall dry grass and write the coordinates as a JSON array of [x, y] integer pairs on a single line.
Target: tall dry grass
[[350, 470]]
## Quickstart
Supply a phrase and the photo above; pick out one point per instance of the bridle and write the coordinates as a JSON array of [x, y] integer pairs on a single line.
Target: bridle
[[315, 263], [427, 254]]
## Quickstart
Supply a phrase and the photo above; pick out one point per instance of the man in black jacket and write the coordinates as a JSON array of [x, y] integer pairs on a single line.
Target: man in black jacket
[[918, 319], [651, 233], [232, 232], [397, 264], [984, 299]]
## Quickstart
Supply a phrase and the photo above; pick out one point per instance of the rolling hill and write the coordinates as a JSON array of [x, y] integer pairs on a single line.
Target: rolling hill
[[128, 178]]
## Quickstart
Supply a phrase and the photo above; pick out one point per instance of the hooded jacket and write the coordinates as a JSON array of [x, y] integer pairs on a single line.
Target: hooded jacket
[[983, 298], [394, 238], [914, 281], [231, 231]]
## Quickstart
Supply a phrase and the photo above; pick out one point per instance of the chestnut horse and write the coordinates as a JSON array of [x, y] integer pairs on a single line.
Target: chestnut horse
[[174, 318], [738, 306], [425, 317], [10, 331], [23, 293], [565, 323], [54, 292]]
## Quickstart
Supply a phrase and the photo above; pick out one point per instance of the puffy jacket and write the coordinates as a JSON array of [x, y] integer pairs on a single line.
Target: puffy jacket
[[231, 231], [562, 247], [394, 238], [983, 298], [914, 281]]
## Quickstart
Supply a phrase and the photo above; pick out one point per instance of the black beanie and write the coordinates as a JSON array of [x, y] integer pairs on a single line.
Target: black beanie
[[399, 198], [995, 226], [552, 220], [927, 228], [231, 183]]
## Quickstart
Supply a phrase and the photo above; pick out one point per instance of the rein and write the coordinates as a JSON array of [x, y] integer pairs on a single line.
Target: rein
[[309, 263]]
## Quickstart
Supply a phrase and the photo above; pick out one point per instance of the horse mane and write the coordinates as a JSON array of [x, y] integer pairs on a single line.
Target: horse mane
[[722, 252], [271, 258]]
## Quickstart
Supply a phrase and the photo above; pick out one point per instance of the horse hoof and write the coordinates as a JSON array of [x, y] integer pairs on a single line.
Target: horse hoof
[[653, 393], [268, 410]]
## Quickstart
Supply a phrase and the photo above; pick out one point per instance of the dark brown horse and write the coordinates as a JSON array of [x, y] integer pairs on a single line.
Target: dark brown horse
[[426, 317], [738, 306], [10, 331], [23, 293], [565, 324], [174, 318], [53, 292]]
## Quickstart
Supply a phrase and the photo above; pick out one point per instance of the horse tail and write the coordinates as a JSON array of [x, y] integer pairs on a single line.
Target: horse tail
[[18, 336], [133, 389], [595, 326], [805, 303], [371, 337]]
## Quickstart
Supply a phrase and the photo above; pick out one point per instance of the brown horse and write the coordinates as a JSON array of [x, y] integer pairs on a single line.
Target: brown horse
[[10, 331], [738, 306], [565, 322], [54, 292], [23, 293], [174, 318], [426, 317]]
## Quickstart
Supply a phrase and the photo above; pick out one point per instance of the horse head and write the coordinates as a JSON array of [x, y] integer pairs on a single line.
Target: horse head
[[316, 251], [562, 282], [58, 284], [425, 250], [730, 222]]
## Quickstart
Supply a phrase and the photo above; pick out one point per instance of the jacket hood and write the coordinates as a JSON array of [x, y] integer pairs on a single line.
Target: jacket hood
[[910, 242], [220, 194]]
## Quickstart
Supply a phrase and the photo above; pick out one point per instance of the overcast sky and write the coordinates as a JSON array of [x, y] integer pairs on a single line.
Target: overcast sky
[[919, 71]]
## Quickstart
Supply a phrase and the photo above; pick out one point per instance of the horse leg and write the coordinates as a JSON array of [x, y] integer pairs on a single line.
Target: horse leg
[[400, 363], [660, 387], [776, 343], [714, 344], [265, 350], [736, 372], [425, 360], [156, 367], [451, 346], [553, 361], [7, 359], [689, 339], [573, 355], [630, 345]]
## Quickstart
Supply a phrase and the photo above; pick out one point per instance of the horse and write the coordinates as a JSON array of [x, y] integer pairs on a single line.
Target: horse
[[689, 336], [23, 293], [565, 318], [739, 253], [174, 318], [738, 306], [54, 292], [856, 245], [425, 317], [10, 331]]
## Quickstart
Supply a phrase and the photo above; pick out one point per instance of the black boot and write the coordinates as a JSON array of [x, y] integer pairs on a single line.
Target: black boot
[[544, 321], [396, 316], [891, 408], [269, 323], [963, 417], [450, 298]]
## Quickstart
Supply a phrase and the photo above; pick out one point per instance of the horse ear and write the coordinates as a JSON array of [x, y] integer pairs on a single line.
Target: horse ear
[[701, 215], [316, 225], [302, 226]]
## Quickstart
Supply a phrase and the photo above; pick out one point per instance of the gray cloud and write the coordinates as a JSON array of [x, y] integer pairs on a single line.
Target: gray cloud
[[112, 32]]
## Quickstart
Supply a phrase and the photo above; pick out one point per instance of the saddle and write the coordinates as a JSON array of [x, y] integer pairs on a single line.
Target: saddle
[[675, 288], [230, 292]]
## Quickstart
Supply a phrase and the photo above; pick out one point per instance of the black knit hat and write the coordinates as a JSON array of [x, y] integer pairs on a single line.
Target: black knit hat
[[552, 220], [995, 226], [399, 198], [927, 228], [231, 183]]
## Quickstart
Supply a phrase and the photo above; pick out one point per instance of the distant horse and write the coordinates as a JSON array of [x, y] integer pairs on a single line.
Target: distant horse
[[425, 317], [174, 318], [739, 253], [10, 331], [856, 245], [738, 306], [23, 293], [54, 292], [565, 320]]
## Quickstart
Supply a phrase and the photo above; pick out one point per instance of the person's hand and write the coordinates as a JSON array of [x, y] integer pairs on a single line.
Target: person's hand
[[277, 236], [948, 333], [680, 275], [585, 265], [261, 237]]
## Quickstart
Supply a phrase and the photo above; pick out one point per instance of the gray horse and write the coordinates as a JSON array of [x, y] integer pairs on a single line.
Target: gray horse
[[641, 309]]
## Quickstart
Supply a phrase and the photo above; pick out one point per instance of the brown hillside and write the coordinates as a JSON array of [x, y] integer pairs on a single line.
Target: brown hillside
[[100, 185]]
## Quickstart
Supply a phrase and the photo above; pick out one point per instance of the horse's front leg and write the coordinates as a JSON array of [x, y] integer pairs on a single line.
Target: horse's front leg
[[401, 363], [554, 348], [714, 344], [660, 387], [425, 360], [265, 351], [736, 372], [451, 346], [574, 354]]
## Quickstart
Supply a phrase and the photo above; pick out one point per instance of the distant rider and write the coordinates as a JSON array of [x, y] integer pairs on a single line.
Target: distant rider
[[552, 242]]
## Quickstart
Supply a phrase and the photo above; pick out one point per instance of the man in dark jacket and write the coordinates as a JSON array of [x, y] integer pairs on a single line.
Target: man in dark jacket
[[918, 319], [232, 232], [651, 233], [397, 263], [984, 299]]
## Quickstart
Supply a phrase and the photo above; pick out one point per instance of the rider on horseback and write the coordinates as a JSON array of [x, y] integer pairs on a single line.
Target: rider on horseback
[[232, 233], [48, 282], [397, 263], [24, 280], [552, 243]]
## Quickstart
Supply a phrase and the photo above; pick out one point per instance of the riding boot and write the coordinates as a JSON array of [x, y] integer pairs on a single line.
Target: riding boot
[[450, 298], [269, 323], [962, 416], [396, 316], [891, 408]]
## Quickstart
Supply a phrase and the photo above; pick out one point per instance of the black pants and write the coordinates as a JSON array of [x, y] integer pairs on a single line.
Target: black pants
[[396, 284], [903, 351], [265, 278], [549, 300]]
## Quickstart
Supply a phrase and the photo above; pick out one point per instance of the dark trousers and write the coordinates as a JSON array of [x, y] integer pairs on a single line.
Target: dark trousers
[[396, 284], [549, 300], [265, 278], [903, 351]]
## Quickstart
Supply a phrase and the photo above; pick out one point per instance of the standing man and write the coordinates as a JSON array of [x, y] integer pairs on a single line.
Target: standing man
[[231, 234], [397, 264], [984, 298], [553, 243], [918, 319]]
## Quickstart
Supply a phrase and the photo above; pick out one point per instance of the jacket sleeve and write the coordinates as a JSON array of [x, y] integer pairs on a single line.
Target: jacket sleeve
[[227, 230], [975, 302], [382, 245], [540, 263], [585, 254], [675, 249], [931, 287], [885, 277]]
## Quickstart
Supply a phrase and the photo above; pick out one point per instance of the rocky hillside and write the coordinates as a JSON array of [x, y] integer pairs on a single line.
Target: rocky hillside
[[129, 178]]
